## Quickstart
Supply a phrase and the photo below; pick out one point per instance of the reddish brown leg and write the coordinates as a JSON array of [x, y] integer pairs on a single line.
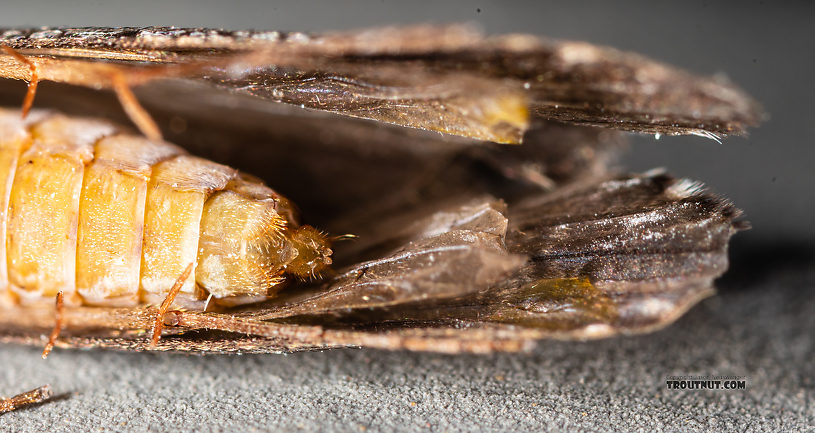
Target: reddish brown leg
[[134, 110], [34, 396], [158, 325], [32, 82], [57, 326]]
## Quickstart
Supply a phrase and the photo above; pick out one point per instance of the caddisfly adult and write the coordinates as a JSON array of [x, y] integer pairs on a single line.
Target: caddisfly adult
[[465, 245]]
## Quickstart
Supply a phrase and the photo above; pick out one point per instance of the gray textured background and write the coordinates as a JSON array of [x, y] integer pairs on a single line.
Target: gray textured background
[[760, 326]]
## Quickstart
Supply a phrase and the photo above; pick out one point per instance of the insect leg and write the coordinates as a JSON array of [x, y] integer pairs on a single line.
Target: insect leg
[[134, 110], [34, 396], [158, 325], [32, 82], [57, 326]]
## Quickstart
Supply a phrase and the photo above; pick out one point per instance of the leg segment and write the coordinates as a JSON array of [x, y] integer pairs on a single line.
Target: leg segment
[[158, 325], [57, 326], [34, 396], [32, 82], [134, 110]]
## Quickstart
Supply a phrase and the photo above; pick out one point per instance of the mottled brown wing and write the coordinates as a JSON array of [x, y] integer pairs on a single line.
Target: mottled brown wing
[[622, 255], [447, 79]]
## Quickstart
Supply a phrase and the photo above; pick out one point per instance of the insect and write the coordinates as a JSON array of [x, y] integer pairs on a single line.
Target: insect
[[463, 244]]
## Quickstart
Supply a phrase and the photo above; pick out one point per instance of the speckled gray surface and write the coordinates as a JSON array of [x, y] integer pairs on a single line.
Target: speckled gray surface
[[760, 326]]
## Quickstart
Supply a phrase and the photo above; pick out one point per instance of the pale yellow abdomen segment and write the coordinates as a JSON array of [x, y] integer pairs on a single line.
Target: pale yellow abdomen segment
[[175, 202], [44, 206], [242, 248], [14, 139], [111, 219]]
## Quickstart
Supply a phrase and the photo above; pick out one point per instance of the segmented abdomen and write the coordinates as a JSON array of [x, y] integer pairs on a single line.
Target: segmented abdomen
[[113, 219]]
